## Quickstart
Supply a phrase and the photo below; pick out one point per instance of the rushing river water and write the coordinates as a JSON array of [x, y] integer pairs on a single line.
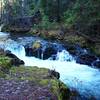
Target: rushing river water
[[81, 77]]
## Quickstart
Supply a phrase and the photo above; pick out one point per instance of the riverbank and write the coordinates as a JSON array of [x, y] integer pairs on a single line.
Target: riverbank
[[60, 61], [20, 82]]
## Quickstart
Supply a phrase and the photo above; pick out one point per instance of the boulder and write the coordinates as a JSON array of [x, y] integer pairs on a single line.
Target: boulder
[[53, 73], [15, 60], [49, 51], [37, 50], [71, 49], [37, 53], [29, 51], [75, 50], [34, 50], [86, 59]]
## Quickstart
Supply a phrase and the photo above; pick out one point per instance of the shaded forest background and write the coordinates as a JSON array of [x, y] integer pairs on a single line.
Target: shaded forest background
[[82, 15]]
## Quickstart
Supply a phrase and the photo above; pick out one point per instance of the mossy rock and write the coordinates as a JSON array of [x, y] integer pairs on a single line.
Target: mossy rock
[[40, 77], [36, 44], [49, 34], [34, 31]]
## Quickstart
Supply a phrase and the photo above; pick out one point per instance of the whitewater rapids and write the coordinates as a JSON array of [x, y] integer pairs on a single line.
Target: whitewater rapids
[[81, 77]]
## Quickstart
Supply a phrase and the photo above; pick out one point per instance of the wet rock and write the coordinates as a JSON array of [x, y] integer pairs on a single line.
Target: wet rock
[[49, 52], [15, 60], [39, 51], [86, 59], [96, 64], [33, 52], [29, 51], [9, 54], [76, 50], [71, 49], [53, 73]]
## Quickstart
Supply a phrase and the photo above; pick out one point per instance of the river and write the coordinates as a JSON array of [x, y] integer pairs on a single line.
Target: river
[[84, 78]]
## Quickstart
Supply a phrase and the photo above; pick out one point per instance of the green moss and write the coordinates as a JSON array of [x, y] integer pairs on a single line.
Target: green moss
[[57, 88], [2, 74], [44, 82], [75, 39], [54, 86], [60, 89], [5, 63], [28, 73], [64, 92]]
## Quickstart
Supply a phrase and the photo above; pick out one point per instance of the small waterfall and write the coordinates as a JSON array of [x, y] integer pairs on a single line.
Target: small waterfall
[[64, 56], [15, 48]]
